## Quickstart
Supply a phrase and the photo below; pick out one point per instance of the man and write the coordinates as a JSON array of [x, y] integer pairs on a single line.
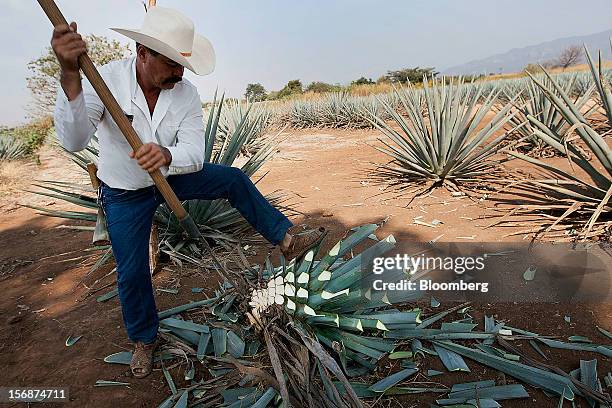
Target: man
[[166, 112]]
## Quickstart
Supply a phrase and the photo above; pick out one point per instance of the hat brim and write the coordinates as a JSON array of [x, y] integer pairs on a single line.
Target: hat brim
[[201, 61]]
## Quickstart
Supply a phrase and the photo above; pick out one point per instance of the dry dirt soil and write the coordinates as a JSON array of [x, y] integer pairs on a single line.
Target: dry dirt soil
[[44, 271]]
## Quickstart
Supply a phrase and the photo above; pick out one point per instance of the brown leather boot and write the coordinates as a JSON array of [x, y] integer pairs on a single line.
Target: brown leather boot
[[302, 239]]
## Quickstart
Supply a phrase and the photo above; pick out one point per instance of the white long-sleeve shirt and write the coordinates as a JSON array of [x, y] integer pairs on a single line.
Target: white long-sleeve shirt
[[176, 123]]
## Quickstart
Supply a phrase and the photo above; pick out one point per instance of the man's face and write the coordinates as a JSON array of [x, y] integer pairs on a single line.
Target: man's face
[[161, 71]]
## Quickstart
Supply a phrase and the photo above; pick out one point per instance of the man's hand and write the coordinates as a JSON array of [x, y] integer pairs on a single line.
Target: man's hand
[[68, 46], [152, 156]]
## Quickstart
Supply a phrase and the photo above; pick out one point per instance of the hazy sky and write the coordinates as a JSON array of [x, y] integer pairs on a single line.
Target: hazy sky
[[273, 41]]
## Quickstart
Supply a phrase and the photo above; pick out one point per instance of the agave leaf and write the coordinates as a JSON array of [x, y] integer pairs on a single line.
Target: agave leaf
[[595, 348], [608, 380], [434, 302], [265, 399], [473, 385], [202, 345], [441, 315], [451, 360], [588, 376], [400, 355], [235, 344], [219, 338], [182, 324], [190, 336], [483, 403], [169, 380], [456, 327], [537, 348], [234, 394], [392, 380], [106, 383], [498, 393], [605, 332], [72, 339], [182, 401], [604, 91], [579, 339], [183, 308], [123, 357]]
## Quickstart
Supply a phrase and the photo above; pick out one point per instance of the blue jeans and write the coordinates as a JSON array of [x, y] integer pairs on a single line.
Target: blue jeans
[[129, 216]]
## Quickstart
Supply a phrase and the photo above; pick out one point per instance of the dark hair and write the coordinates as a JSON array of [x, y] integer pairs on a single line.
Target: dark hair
[[152, 52]]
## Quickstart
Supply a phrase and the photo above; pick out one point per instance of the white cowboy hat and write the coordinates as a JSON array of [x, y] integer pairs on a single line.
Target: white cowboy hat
[[171, 33]]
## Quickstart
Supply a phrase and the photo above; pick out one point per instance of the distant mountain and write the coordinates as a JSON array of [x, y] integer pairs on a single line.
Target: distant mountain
[[516, 59]]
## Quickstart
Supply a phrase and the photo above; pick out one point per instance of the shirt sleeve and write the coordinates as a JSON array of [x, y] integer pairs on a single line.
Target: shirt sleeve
[[188, 152], [76, 121]]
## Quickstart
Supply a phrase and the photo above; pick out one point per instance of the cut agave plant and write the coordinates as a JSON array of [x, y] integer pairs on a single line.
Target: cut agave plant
[[451, 142], [332, 298], [582, 202]]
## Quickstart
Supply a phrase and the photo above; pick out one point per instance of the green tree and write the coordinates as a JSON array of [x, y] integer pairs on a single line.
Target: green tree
[[45, 71], [363, 81], [293, 87], [255, 92], [413, 75], [321, 87]]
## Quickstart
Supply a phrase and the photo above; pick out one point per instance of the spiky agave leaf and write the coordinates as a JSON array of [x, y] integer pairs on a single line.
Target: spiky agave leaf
[[448, 142], [534, 103], [602, 82]]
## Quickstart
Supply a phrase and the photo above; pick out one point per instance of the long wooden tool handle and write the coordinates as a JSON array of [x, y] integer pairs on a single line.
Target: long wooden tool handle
[[90, 71]]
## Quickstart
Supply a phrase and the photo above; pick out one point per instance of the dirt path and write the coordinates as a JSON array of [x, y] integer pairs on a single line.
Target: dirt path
[[42, 302]]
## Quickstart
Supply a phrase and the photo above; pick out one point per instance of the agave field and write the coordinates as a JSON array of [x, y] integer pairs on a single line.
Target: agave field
[[306, 332]]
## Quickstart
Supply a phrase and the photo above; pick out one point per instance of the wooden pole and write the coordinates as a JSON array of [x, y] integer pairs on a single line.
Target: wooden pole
[[109, 101]]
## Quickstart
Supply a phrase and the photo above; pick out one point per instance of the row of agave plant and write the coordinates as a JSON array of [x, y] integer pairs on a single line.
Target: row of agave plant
[[342, 110]]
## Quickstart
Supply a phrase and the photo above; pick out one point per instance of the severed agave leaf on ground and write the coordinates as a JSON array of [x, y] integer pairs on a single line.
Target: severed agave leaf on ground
[[483, 390], [386, 383], [106, 383], [72, 339]]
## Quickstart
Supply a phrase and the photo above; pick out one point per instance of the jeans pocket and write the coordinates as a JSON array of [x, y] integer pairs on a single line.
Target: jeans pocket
[[110, 194]]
